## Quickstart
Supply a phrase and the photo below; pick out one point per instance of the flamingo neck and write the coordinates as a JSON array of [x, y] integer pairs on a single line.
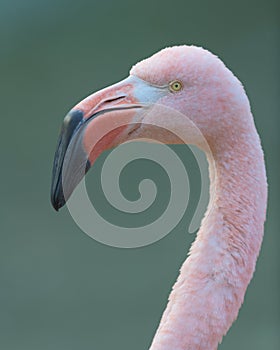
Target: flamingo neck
[[211, 286]]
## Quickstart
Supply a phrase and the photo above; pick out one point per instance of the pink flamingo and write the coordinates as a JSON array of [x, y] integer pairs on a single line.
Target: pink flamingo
[[211, 286]]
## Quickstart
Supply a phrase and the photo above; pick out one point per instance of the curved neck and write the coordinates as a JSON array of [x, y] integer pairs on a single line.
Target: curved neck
[[211, 286]]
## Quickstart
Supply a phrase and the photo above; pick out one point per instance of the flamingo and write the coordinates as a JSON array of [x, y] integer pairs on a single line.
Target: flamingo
[[210, 289]]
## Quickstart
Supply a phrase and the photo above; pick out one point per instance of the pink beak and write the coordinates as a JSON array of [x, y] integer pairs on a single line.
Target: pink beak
[[99, 122]]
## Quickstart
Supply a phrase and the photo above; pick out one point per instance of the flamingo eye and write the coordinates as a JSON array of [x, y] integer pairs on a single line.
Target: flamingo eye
[[175, 86]]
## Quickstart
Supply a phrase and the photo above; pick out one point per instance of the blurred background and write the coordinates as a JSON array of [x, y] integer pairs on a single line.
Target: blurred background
[[59, 288]]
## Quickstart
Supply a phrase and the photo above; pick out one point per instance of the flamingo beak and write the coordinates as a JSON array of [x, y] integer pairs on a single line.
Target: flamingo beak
[[99, 122]]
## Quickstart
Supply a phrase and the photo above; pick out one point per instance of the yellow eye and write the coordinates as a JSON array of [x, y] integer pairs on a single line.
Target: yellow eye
[[175, 86]]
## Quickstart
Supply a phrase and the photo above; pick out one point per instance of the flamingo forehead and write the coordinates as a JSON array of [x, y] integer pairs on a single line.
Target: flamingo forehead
[[186, 63]]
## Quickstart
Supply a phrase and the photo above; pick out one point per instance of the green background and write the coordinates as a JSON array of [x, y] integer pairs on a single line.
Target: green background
[[59, 288]]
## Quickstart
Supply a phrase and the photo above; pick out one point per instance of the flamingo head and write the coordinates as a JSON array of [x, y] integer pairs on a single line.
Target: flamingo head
[[182, 88]]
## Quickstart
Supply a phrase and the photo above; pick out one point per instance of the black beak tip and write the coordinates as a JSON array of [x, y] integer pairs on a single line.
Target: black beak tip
[[57, 205], [71, 122], [58, 202]]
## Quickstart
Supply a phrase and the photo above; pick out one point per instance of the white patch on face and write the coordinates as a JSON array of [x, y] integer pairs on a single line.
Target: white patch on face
[[146, 92]]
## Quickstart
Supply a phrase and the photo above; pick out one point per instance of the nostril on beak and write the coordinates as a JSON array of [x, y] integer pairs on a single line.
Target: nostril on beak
[[105, 104], [111, 101]]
